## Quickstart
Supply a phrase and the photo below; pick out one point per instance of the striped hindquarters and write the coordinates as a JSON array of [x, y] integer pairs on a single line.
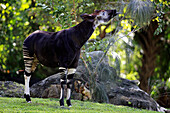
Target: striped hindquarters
[[28, 60]]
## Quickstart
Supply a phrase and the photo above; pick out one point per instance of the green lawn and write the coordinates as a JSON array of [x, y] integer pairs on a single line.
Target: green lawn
[[39, 105]]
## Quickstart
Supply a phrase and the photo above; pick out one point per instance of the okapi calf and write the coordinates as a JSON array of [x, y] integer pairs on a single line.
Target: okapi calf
[[61, 49]]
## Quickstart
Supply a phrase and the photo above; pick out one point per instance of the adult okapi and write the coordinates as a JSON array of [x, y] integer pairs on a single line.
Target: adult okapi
[[61, 49]]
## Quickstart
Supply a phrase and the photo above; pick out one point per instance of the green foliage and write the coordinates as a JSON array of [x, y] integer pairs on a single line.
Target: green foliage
[[141, 11], [66, 12], [160, 80], [161, 9], [168, 83], [51, 106], [14, 28], [19, 18]]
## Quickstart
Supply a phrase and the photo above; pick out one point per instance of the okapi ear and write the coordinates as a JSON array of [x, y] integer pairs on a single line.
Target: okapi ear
[[97, 11], [87, 17]]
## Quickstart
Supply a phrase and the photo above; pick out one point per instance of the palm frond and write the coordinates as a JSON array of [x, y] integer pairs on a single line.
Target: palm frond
[[141, 11]]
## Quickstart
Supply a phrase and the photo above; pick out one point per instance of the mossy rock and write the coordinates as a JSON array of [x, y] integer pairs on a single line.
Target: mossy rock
[[11, 89]]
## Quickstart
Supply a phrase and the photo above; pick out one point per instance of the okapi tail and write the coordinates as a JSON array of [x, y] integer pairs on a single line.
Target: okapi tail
[[19, 72]]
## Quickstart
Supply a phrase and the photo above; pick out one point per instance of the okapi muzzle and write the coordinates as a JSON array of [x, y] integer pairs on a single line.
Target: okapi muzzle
[[99, 16], [61, 49]]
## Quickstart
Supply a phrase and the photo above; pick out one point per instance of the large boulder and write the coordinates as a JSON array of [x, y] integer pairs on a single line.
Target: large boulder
[[47, 87], [126, 92], [119, 91], [11, 89], [50, 88]]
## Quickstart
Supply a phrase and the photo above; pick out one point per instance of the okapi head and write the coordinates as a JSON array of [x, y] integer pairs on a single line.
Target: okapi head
[[99, 16]]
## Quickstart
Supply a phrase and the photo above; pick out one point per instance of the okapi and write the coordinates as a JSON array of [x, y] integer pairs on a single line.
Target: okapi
[[61, 49]]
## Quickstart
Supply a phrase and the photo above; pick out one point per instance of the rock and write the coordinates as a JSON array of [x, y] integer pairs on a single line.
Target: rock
[[51, 92], [127, 93], [77, 96], [46, 86], [119, 91], [50, 88], [11, 89]]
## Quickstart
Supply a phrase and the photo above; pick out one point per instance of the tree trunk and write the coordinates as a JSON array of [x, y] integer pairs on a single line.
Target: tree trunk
[[150, 46]]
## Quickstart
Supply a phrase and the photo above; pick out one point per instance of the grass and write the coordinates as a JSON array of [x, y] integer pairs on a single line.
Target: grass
[[39, 105]]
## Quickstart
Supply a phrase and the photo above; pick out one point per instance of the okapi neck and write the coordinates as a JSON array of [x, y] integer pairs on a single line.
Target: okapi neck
[[83, 32]]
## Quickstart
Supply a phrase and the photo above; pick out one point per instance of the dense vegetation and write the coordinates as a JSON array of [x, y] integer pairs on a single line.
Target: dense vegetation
[[143, 57]]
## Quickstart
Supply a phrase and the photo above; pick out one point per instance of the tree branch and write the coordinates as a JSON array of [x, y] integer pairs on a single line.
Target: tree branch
[[90, 73]]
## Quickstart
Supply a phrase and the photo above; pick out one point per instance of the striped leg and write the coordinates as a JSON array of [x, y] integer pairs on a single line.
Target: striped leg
[[70, 76], [62, 82], [30, 66]]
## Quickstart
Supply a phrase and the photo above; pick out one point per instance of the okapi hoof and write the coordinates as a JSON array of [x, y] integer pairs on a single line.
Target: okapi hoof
[[68, 103], [27, 97], [61, 103]]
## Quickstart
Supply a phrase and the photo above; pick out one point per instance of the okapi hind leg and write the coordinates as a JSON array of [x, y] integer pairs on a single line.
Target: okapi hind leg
[[70, 76], [27, 77], [30, 66], [28, 72]]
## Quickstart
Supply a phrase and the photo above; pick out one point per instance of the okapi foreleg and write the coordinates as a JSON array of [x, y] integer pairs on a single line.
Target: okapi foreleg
[[70, 76], [63, 72]]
